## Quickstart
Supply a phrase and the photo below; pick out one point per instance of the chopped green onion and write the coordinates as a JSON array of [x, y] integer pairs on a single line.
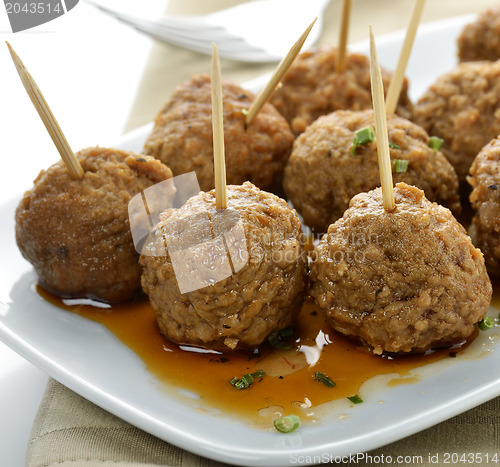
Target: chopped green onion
[[435, 143], [486, 323], [246, 380], [394, 146], [365, 135], [400, 165], [355, 399], [287, 424], [362, 137], [276, 338], [324, 379], [244, 111], [242, 383]]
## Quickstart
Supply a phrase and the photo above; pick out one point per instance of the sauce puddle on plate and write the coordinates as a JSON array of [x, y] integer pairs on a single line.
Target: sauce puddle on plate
[[289, 385]]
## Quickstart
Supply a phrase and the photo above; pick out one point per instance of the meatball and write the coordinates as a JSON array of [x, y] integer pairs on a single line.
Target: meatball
[[311, 88], [461, 107], [401, 281], [182, 136], [261, 293], [76, 233], [485, 199], [322, 174], [480, 40]]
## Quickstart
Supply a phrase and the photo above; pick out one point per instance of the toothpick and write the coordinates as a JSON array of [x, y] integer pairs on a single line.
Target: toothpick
[[50, 122], [398, 76], [384, 159], [218, 131], [344, 32], [276, 77]]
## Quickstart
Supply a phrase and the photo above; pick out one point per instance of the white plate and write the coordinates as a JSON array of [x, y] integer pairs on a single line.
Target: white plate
[[88, 359]]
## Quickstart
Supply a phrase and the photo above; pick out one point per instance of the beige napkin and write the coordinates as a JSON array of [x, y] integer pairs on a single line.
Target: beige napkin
[[72, 432]]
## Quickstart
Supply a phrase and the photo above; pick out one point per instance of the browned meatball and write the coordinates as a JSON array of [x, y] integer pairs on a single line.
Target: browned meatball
[[263, 293], [480, 40], [311, 88], [76, 233], [182, 136], [322, 174], [462, 107], [485, 199], [401, 281]]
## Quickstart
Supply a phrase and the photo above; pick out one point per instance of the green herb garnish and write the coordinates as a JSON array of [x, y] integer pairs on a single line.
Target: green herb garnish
[[246, 380], [435, 143], [324, 379], [486, 323], [400, 165], [287, 423], [355, 399], [242, 383], [362, 137], [394, 146]]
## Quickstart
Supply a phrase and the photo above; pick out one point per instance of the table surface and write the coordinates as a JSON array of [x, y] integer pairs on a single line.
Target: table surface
[[101, 79]]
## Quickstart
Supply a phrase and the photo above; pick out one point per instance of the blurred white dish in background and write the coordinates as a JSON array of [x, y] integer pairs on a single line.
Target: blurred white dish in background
[[255, 31]]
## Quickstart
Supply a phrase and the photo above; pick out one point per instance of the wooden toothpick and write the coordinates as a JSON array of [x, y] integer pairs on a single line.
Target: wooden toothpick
[[50, 122], [218, 132], [398, 76], [277, 75], [384, 158], [344, 33]]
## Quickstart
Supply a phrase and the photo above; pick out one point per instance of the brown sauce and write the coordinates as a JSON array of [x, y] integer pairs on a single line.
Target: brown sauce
[[289, 380], [495, 301]]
